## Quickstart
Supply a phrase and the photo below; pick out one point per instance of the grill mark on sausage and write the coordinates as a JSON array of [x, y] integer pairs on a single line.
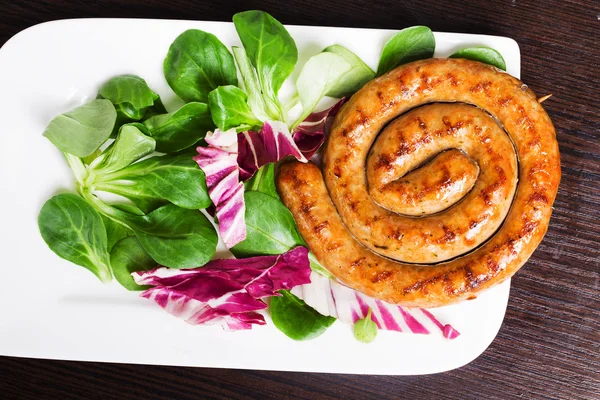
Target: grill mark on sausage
[[449, 235], [452, 79], [333, 247], [528, 228], [381, 276], [504, 101], [453, 128], [362, 118], [321, 227], [538, 197], [337, 171], [482, 86], [487, 193], [306, 207], [384, 162]]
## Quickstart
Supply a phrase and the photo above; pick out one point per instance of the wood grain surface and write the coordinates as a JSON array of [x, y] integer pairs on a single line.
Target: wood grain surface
[[549, 344]]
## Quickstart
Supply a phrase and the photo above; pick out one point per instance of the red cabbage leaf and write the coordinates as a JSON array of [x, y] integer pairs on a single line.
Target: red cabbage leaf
[[271, 144], [227, 292], [310, 134], [218, 161], [334, 299]]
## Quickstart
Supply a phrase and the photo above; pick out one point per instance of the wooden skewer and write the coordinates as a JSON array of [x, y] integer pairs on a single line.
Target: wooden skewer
[[544, 98]]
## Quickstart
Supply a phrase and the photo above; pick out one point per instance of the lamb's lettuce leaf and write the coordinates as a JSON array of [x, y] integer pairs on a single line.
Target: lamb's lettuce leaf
[[272, 52], [410, 44]]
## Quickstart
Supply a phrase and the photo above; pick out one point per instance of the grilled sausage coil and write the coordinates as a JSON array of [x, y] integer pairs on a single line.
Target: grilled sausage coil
[[438, 182]]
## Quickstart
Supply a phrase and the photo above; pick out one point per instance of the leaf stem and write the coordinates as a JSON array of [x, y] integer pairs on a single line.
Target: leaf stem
[[104, 274], [291, 103], [316, 266], [78, 168], [101, 207]]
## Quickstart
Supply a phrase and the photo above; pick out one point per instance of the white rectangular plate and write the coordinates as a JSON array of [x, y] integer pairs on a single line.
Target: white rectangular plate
[[50, 308]]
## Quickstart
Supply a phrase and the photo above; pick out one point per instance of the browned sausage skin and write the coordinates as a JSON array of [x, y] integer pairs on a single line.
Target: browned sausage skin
[[340, 213], [402, 146]]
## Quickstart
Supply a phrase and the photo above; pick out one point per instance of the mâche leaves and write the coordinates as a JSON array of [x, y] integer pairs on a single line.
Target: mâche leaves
[[353, 79], [180, 129], [263, 181], [296, 319], [84, 129], [130, 146], [75, 231], [249, 83], [410, 44], [271, 50], [270, 227], [196, 64], [157, 180], [114, 232], [128, 256], [175, 237], [482, 54], [230, 109], [131, 97], [313, 83], [365, 330]]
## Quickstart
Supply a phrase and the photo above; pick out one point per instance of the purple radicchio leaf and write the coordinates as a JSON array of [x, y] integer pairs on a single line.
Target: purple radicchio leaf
[[271, 144], [218, 161], [334, 299], [227, 292], [310, 134]]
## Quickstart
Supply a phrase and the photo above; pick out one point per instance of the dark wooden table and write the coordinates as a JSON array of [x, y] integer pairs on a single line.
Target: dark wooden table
[[549, 344]]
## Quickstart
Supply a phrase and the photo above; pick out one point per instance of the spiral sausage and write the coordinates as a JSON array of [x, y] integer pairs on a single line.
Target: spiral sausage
[[359, 218]]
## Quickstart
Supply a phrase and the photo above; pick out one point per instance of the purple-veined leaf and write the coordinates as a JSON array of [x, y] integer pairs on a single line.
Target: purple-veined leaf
[[334, 299], [227, 292], [231, 158], [271, 144], [219, 163], [310, 134]]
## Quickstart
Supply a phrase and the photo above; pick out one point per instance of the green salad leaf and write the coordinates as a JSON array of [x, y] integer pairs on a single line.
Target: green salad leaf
[[482, 54], [319, 75], [180, 129], [75, 231], [263, 181], [355, 78], [131, 145], [249, 83], [365, 330], [271, 50], [83, 130], [230, 109], [270, 227], [114, 232], [175, 237], [296, 319], [131, 96], [128, 256], [160, 179], [410, 44], [196, 64]]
